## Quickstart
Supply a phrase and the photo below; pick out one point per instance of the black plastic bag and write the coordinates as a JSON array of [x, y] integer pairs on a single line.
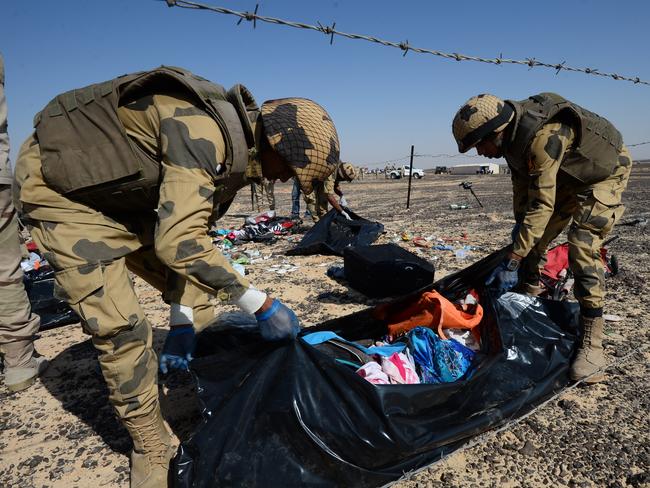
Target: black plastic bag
[[289, 415], [333, 233], [39, 285]]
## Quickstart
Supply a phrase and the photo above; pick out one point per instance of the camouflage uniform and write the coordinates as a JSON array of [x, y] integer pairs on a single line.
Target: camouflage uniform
[[317, 201], [129, 175], [17, 323], [546, 199], [567, 165], [264, 189], [91, 251]]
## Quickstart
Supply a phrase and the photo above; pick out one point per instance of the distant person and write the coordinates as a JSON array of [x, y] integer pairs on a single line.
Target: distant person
[[18, 324], [295, 201], [130, 174], [568, 165], [327, 191]]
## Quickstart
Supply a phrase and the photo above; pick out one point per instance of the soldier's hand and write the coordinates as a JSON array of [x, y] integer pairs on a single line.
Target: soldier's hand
[[343, 202], [503, 278], [278, 322], [346, 215], [178, 349]]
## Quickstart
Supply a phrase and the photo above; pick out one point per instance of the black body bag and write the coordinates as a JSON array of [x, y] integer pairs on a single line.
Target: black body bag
[[287, 414]]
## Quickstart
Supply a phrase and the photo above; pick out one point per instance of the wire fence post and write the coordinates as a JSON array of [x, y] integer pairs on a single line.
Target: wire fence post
[[408, 195]]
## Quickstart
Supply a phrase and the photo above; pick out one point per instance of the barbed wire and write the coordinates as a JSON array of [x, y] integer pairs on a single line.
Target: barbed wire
[[638, 144], [404, 46]]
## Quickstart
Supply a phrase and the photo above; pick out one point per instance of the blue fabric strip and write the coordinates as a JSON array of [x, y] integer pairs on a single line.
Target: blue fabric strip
[[319, 337]]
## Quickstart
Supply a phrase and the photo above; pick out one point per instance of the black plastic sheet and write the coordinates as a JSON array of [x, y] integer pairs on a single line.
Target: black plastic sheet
[[333, 233], [288, 415], [39, 285]]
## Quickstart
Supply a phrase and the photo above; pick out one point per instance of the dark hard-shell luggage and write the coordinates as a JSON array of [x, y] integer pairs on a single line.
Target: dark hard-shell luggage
[[386, 270]]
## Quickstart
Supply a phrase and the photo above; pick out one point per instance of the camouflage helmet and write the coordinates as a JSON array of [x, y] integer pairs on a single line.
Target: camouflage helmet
[[479, 117], [347, 171], [304, 135]]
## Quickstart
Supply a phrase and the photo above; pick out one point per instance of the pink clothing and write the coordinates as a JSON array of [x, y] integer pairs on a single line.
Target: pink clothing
[[400, 369], [373, 373]]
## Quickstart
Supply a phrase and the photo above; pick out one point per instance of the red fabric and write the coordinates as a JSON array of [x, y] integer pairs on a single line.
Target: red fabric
[[557, 259]]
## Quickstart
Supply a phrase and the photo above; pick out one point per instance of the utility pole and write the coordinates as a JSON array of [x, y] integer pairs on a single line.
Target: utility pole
[[408, 195]]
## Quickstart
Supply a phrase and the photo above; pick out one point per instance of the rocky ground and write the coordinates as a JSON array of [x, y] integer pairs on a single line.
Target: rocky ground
[[62, 433]]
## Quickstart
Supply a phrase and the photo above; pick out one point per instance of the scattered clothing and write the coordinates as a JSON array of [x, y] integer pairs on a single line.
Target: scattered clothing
[[34, 262], [400, 368], [435, 311], [439, 361], [261, 228], [373, 373]]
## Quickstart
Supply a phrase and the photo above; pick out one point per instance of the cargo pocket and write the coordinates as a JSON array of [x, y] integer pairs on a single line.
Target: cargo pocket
[[76, 284], [599, 212]]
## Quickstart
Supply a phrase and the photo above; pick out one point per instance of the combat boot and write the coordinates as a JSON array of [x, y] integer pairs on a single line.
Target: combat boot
[[590, 357], [22, 365], [152, 450]]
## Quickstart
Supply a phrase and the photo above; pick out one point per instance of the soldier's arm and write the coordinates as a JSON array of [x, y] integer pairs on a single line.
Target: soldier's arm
[[337, 189], [329, 187], [546, 153], [192, 152], [519, 195]]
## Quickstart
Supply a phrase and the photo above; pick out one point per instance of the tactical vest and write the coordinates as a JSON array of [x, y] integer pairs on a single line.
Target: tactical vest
[[87, 155], [594, 153]]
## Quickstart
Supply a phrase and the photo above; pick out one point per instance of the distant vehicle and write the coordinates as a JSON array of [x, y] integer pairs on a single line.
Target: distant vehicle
[[404, 172], [441, 170]]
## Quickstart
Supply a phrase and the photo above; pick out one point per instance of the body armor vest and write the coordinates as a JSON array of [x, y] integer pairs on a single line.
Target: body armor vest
[[594, 153], [87, 155]]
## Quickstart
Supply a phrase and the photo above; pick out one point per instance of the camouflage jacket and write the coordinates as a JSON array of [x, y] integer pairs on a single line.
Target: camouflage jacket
[[559, 146], [192, 151]]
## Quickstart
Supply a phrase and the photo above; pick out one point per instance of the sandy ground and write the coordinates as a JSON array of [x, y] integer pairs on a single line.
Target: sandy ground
[[62, 432]]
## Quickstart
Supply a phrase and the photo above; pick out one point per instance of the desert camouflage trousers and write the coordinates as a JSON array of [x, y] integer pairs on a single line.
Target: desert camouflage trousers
[[317, 202], [91, 253], [592, 211], [262, 191], [17, 322]]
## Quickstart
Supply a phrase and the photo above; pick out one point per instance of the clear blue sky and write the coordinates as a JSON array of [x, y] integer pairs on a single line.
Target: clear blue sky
[[380, 101]]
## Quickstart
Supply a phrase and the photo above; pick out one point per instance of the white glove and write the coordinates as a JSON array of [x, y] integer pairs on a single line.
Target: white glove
[[343, 202], [345, 214]]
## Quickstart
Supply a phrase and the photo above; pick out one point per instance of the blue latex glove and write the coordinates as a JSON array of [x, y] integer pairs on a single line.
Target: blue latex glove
[[278, 322], [506, 280], [178, 349], [515, 231]]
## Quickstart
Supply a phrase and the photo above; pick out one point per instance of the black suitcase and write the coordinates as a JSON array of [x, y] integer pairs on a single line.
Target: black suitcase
[[386, 270]]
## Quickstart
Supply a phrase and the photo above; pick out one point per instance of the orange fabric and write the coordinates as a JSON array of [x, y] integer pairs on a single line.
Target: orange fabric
[[436, 312]]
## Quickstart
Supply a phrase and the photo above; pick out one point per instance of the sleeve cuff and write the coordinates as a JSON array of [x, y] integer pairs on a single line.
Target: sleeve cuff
[[251, 300], [180, 314]]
